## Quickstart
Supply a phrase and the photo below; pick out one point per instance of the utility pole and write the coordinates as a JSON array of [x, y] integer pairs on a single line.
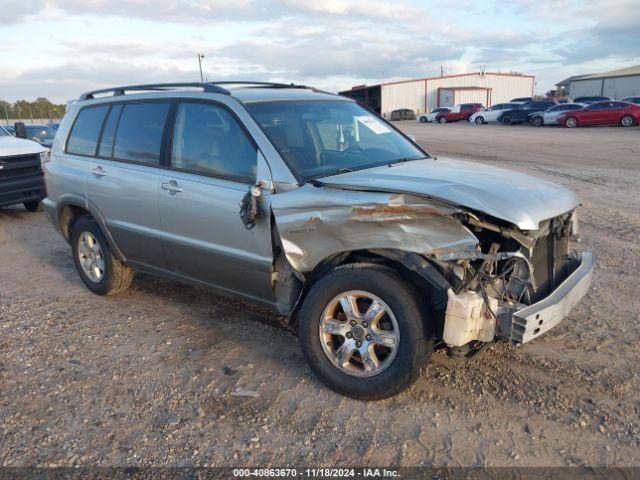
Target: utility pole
[[30, 113], [442, 70], [200, 57]]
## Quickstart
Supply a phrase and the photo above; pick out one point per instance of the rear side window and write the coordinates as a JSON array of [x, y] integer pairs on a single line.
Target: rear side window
[[207, 139], [83, 139], [108, 134], [139, 133]]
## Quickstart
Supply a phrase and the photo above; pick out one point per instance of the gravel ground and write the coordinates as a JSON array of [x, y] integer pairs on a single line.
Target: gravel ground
[[168, 375]]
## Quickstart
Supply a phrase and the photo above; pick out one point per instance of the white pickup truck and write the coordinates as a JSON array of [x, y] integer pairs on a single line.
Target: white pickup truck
[[21, 171]]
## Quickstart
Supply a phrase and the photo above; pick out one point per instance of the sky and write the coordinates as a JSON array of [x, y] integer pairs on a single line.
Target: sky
[[61, 48]]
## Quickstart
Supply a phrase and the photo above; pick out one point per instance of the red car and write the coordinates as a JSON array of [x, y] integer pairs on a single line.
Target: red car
[[459, 112], [603, 113]]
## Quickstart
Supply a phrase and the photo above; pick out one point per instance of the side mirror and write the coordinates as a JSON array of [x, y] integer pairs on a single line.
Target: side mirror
[[21, 130]]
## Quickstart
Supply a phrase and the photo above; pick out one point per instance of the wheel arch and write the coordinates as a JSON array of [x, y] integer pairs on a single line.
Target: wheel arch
[[72, 207], [425, 278]]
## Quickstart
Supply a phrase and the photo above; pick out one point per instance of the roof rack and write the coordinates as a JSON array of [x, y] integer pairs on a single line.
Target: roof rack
[[207, 87], [210, 87]]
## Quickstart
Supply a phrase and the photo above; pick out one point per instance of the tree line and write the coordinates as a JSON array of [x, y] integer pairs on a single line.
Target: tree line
[[23, 109]]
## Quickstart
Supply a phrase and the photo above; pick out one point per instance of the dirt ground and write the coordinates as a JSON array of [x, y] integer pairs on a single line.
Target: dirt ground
[[171, 375]]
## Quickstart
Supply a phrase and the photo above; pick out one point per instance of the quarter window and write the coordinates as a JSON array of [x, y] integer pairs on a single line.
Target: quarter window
[[83, 139], [139, 133], [207, 139], [106, 144]]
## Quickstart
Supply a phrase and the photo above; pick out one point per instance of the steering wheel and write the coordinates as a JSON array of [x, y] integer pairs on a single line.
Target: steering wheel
[[354, 149]]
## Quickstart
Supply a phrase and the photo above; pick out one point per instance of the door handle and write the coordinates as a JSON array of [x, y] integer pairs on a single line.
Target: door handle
[[172, 187], [98, 171]]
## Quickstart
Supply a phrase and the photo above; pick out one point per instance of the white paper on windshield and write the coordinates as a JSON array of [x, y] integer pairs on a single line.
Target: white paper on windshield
[[372, 124]]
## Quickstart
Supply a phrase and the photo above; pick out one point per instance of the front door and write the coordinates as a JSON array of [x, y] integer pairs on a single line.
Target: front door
[[212, 165]]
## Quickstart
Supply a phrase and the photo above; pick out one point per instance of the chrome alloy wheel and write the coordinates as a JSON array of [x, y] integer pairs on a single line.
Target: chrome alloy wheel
[[91, 257], [359, 333]]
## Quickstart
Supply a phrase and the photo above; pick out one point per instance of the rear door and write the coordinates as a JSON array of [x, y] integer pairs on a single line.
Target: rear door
[[596, 114], [123, 184], [212, 164]]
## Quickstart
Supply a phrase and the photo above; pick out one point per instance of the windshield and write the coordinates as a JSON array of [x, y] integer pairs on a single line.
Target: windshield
[[43, 132], [319, 138]]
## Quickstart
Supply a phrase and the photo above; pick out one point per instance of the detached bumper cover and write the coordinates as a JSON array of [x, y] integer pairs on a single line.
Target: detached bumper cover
[[534, 320]]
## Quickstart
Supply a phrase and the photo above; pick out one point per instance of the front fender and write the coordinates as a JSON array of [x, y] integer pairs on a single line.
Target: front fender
[[315, 223]]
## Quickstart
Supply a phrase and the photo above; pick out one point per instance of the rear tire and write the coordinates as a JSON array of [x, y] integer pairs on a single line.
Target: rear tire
[[571, 122], [32, 206], [392, 369], [537, 121], [627, 121], [100, 271], [442, 120], [423, 120], [506, 120], [479, 120]]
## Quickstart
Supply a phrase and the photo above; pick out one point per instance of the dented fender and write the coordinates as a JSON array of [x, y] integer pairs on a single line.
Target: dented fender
[[315, 223]]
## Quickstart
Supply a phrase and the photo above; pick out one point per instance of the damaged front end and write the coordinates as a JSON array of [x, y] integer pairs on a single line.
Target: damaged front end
[[481, 277]]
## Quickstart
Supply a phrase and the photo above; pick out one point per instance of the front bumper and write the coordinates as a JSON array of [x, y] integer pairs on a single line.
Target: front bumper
[[21, 189], [534, 320]]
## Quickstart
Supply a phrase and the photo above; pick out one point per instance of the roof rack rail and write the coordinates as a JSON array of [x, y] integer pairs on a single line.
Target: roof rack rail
[[210, 87], [207, 87], [270, 85]]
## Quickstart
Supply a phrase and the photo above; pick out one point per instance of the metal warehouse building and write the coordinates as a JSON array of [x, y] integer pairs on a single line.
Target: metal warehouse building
[[425, 94], [616, 84]]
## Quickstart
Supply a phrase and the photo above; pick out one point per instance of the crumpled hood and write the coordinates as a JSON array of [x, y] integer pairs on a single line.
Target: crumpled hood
[[10, 146], [511, 196]]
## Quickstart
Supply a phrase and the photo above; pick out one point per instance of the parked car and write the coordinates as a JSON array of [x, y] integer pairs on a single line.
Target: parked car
[[431, 116], [459, 112], [491, 114], [41, 133], [635, 100], [402, 114], [522, 100], [624, 114], [550, 115], [437, 251], [520, 114], [21, 177], [588, 100]]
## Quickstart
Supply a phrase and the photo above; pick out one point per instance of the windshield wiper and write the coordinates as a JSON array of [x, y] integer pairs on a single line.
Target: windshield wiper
[[405, 159]]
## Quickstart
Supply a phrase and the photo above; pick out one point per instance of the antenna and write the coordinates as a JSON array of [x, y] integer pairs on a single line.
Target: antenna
[[200, 57]]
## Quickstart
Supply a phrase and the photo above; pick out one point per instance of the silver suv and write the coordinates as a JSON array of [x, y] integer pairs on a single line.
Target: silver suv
[[308, 203]]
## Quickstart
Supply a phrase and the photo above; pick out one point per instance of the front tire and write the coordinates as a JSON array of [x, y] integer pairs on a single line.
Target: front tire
[[537, 121], [479, 120], [362, 332], [506, 120], [423, 119], [442, 120], [100, 271], [627, 121]]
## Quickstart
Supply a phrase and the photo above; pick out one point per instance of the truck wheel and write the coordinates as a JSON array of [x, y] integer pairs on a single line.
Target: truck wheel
[[442, 120], [33, 206], [100, 271], [627, 121], [362, 332]]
